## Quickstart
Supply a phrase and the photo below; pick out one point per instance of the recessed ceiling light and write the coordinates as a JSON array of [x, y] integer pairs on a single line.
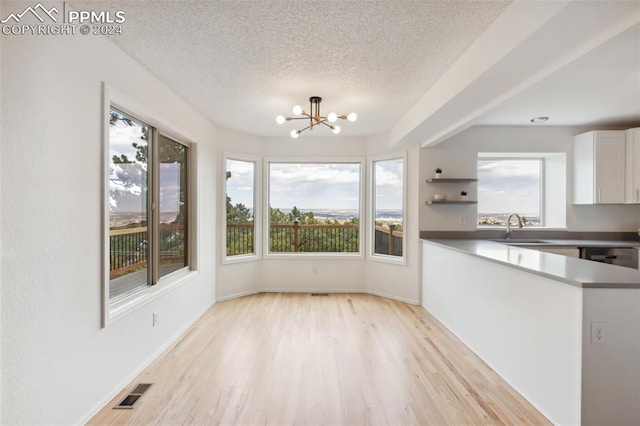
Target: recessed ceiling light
[[539, 119]]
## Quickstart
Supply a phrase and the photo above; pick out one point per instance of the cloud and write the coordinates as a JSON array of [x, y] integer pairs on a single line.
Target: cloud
[[240, 184], [121, 139], [314, 185], [388, 176], [509, 186]]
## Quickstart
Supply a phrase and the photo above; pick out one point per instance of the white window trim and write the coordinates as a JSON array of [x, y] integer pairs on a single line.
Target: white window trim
[[112, 312], [257, 208], [360, 255], [385, 258], [543, 157]]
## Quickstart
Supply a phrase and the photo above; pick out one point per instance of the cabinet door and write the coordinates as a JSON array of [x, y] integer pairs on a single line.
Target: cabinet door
[[609, 167], [583, 169], [632, 180]]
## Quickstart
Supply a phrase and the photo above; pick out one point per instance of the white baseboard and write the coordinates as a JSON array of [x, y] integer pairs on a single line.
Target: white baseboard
[[311, 290], [319, 290], [236, 295], [102, 403], [392, 297]]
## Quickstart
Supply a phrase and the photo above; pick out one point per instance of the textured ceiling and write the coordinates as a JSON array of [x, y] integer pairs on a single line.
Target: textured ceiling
[[241, 63]]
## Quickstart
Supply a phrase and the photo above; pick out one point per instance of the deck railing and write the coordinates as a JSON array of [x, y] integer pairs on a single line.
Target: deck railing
[[128, 250], [129, 247], [388, 240], [292, 238], [297, 238], [240, 239]]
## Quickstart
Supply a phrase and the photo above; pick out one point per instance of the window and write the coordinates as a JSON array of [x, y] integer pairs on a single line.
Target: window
[[533, 185], [388, 207], [314, 207], [240, 184], [146, 168], [510, 185]]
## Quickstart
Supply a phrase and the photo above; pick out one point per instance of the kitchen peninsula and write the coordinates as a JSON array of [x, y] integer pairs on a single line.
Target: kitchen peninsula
[[564, 332]]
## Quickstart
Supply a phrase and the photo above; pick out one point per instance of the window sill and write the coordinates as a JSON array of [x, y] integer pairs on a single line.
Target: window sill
[[125, 306], [394, 260], [241, 258]]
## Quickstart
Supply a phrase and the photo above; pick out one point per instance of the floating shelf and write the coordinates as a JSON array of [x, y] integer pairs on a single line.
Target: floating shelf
[[451, 180], [433, 202]]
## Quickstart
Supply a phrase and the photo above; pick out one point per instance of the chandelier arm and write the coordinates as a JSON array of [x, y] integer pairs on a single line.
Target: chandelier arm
[[314, 116]]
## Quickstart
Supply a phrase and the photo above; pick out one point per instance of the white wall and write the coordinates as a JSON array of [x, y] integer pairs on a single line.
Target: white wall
[[459, 153], [526, 327], [58, 364], [241, 278], [400, 282], [611, 371], [1, 222]]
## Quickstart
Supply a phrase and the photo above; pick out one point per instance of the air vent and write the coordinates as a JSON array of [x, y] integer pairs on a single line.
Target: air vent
[[130, 400], [319, 294]]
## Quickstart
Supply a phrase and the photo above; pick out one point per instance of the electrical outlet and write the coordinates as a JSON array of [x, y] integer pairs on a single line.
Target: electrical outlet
[[463, 220], [598, 333], [155, 319]]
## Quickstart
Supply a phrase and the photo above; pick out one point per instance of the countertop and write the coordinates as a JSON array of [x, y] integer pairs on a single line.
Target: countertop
[[572, 243], [578, 272]]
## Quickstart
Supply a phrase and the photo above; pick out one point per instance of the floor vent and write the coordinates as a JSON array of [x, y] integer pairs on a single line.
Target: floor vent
[[130, 400], [319, 294]]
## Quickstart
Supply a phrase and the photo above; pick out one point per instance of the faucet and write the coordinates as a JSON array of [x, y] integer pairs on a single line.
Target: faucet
[[508, 236]]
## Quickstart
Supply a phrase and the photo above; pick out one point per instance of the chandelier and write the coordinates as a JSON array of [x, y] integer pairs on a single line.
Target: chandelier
[[314, 117]]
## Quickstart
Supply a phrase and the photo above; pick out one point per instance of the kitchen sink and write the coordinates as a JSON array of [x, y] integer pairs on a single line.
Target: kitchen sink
[[520, 241]]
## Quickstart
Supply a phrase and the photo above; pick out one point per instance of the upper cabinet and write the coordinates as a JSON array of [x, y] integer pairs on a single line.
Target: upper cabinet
[[632, 186], [599, 167]]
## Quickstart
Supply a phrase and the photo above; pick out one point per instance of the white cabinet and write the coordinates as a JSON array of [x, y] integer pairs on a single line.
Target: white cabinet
[[632, 181], [599, 167]]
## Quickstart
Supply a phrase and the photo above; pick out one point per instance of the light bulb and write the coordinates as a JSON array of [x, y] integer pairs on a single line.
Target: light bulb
[[336, 129], [352, 116], [297, 110], [280, 119], [295, 134], [332, 117]]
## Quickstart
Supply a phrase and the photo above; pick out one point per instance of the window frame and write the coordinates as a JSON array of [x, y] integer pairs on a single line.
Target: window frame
[[371, 207], [257, 208], [360, 254], [518, 157], [112, 311]]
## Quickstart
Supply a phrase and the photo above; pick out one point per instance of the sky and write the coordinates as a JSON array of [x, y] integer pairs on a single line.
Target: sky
[[317, 186], [314, 185], [240, 184], [509, 186], [129, 197], [389, 184]]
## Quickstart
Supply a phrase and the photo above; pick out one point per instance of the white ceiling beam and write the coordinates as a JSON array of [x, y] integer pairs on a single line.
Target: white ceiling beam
[[528, 42]]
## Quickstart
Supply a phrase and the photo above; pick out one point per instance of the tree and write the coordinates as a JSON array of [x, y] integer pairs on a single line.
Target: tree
[[276, 216], [294, 215], [238, 213]]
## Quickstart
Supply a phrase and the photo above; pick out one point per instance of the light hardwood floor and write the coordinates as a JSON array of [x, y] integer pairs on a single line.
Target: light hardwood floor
[[343, 359]]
